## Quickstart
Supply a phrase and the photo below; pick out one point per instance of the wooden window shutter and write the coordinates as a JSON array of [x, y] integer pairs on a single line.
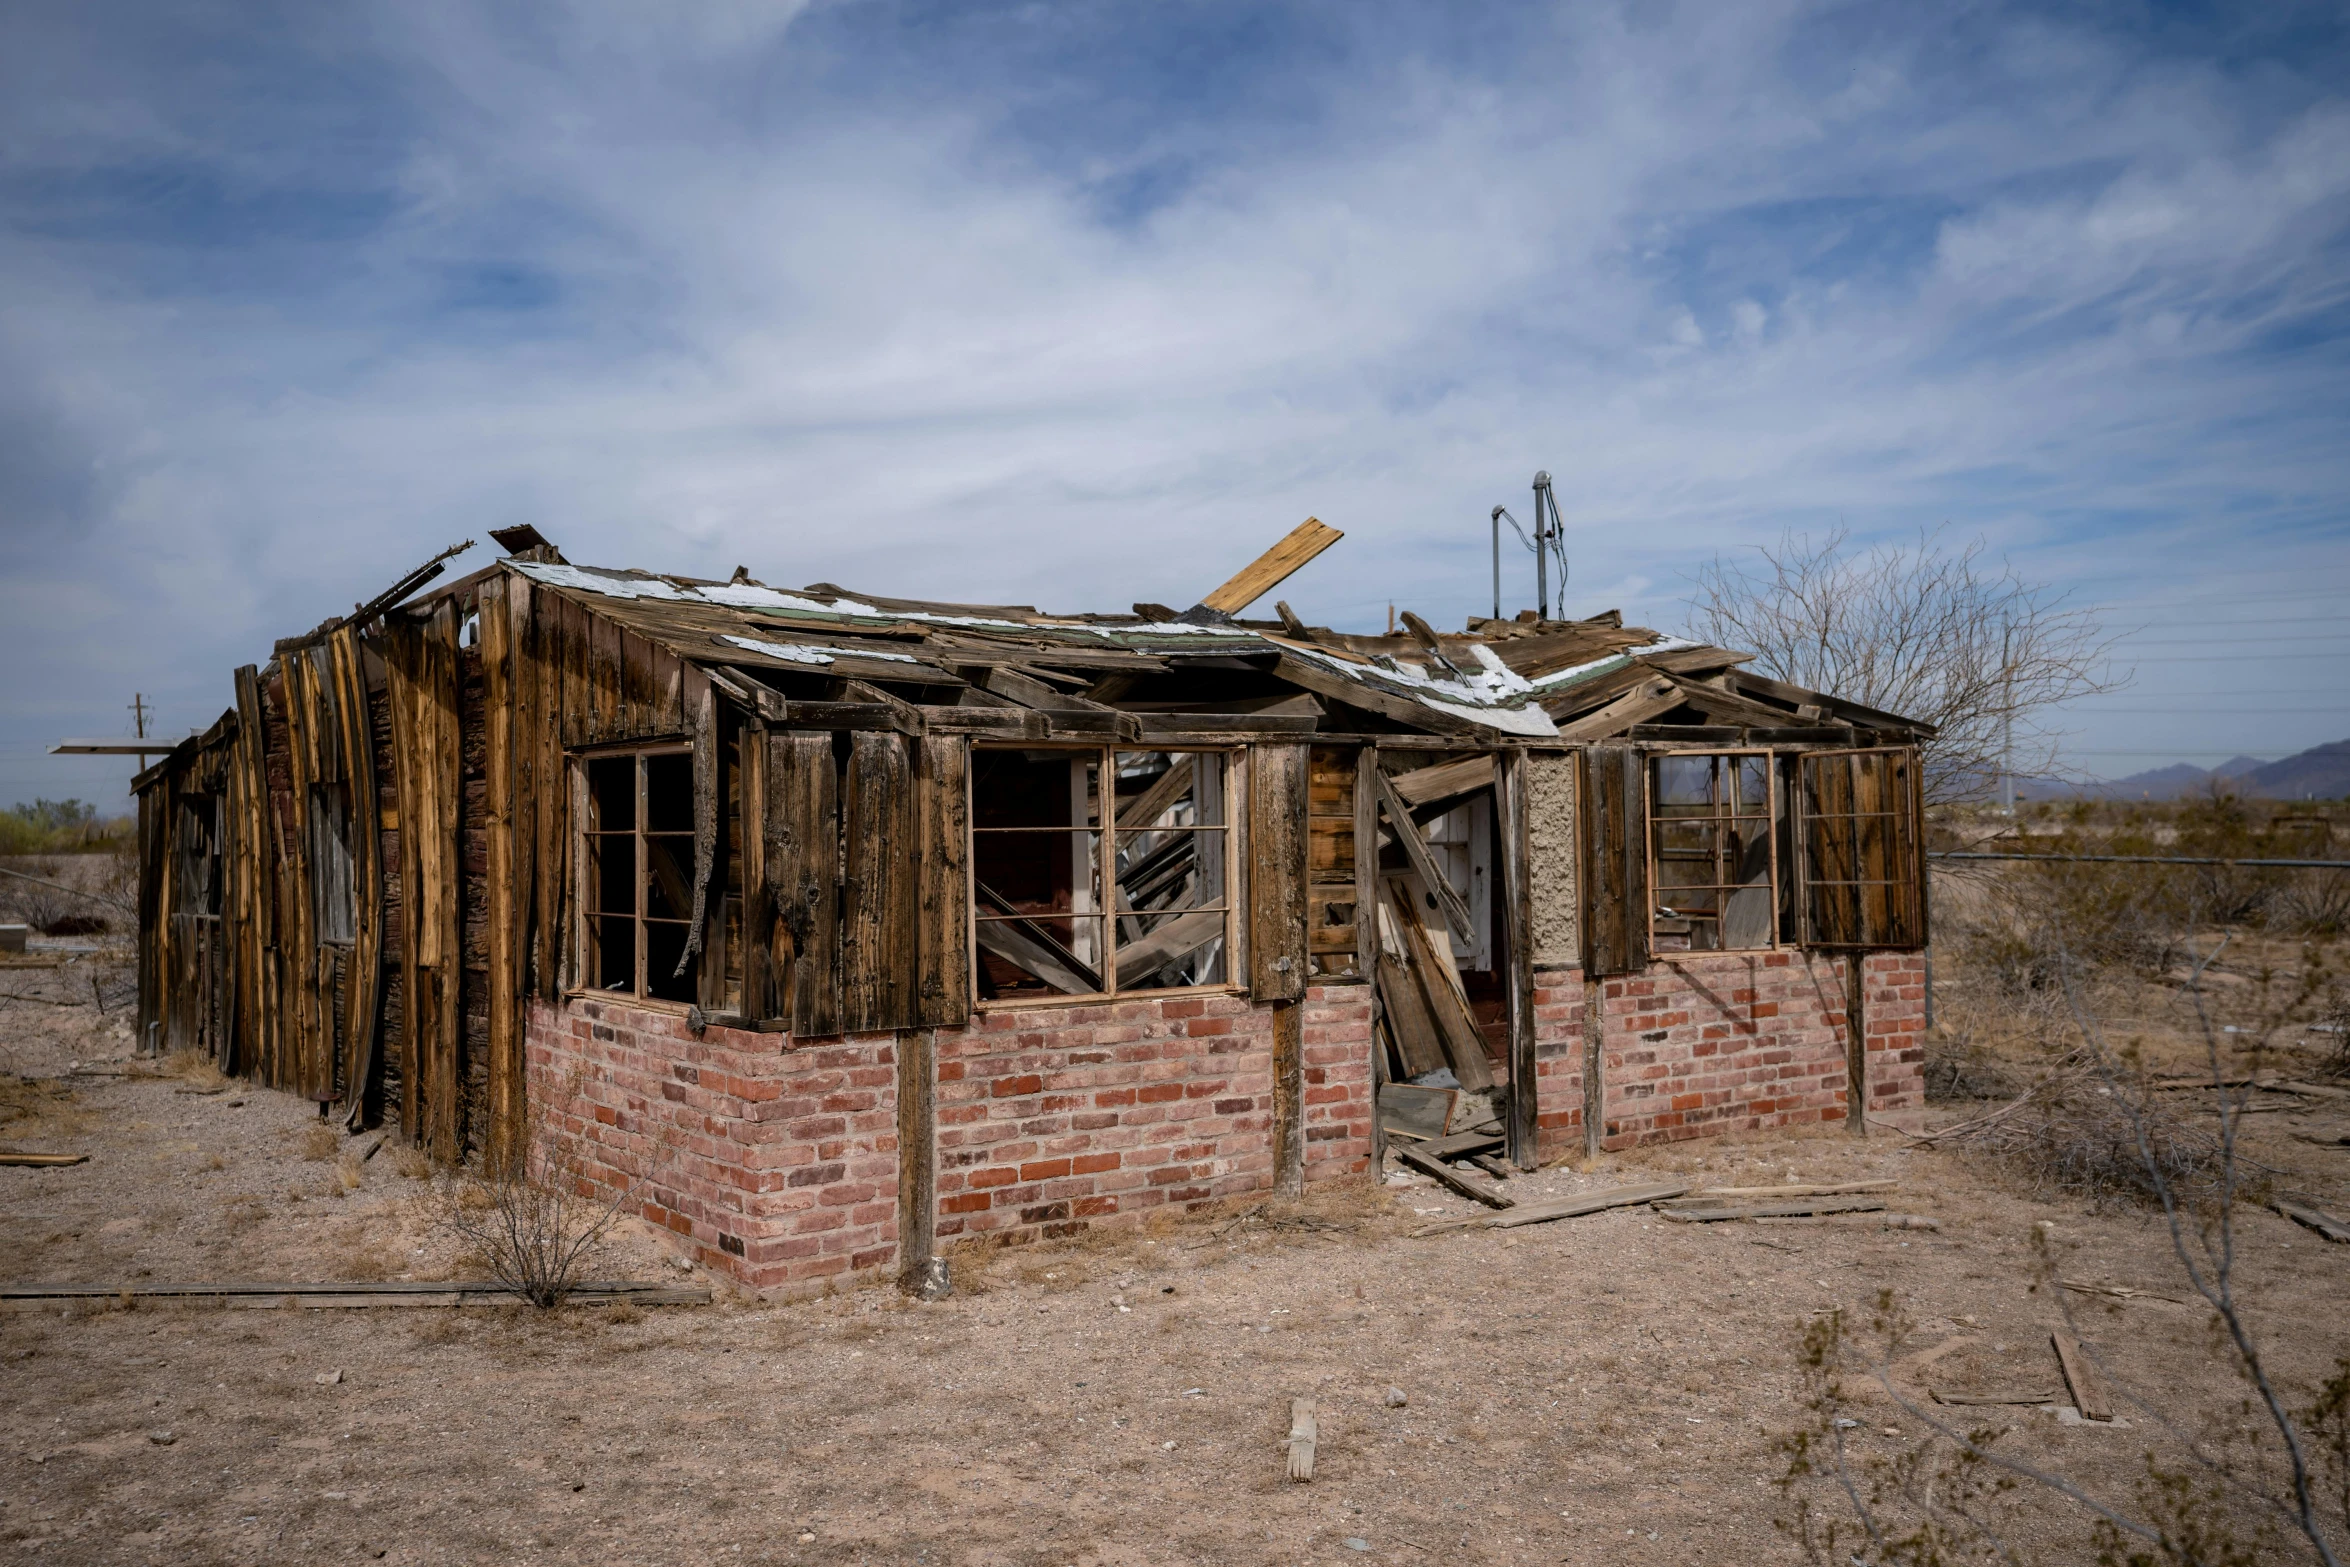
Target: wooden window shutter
[[878, 846], [942, 937], [1615, 861], [800, 854], [1860, 824], [1277, 779]]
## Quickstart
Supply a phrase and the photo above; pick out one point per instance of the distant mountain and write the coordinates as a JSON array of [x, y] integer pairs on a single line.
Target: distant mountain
[[2322, 772]]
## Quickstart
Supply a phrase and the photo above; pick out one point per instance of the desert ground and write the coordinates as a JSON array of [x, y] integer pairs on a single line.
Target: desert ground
[[1612, 1388]]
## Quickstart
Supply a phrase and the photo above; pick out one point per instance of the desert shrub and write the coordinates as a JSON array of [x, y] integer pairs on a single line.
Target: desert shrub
[[533, 1228], [2089, 1132]]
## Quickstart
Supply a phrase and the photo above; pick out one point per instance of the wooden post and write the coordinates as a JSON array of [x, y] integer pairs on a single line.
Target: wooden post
[[1367, 931], [1594, 1052], [1856, 1044], [917, 1062], [1289, 1140], [1517, 901]]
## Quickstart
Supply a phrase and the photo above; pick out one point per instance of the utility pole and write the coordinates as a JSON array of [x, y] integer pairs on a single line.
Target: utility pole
[[139, 713], [1542, 547]]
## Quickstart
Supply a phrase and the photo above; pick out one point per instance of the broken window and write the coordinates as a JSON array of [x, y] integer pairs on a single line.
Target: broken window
[[638, 903], [1863, 885], [1711, 879], [334, 892], [199, 854], [1100, 872]]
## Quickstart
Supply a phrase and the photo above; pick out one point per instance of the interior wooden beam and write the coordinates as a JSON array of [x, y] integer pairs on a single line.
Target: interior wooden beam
[[1643, 702]]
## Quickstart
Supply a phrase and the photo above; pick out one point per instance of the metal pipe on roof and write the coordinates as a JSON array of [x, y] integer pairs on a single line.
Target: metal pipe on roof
[[1541, 553]]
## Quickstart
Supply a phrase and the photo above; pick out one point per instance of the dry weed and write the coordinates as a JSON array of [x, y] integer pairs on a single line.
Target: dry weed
[[38, 1107], [194, 1067], [412, 1163], [620, 1314], [319, 1143], [439, 1328]]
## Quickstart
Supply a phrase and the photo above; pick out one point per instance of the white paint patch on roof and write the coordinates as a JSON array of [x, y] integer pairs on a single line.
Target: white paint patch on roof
[[1530, 721], [801, 653], [611, 585]]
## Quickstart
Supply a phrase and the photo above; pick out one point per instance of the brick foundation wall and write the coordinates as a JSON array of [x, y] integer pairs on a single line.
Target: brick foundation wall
[[1724, 1042], [773, 1164], [776, 1159], [1052, 1119]]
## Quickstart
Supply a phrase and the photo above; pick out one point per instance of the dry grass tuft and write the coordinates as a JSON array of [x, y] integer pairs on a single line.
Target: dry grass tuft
[[38, 1107], [413, 1163], [319, 1143], [194, 1067]]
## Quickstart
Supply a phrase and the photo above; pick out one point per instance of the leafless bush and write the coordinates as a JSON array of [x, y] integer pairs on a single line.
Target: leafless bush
[[1928, 632], [535, 1217], [2088, 1131], [2268, 1482]]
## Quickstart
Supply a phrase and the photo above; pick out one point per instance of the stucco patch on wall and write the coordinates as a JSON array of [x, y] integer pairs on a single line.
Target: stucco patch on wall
[[1550, 847]]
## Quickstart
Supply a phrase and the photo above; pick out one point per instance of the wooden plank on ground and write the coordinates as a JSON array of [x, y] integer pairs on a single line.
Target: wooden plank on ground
[[1976, 1400], [1462, 1144], [1445, 1175], [2088, 1392], [1822, 1189], [42, 1161], [2316, 1219], [1574, 1207], [388, 1291], [1799, 1208]]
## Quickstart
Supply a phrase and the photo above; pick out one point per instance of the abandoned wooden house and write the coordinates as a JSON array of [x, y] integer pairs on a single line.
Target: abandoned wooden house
[[844, 929]]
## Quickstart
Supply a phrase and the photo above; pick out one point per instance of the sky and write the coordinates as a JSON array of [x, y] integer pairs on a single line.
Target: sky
[[1081, 304]]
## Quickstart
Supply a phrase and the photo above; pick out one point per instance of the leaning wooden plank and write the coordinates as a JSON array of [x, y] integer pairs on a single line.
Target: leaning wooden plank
[[1978, 1399], [1825, 1189], [1422, 1112], [1462, 1144], [1636, 706], [1415, 847], [1019, 942], [1428, 958], [2088, 1392], [1445, 782], [2316, 1219], [1562, 1208], [1269, 570], [1801, 1208], [1406, 1012], [43, 1161], [1445, 1175]]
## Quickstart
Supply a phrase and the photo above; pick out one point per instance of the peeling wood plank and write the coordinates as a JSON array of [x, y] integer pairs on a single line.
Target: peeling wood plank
[[1269, 570]]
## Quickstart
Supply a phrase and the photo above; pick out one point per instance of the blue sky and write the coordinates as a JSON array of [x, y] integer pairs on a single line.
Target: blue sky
[[1081, 304]]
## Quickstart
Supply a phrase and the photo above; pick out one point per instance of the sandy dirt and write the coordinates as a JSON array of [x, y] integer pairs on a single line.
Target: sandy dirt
[[1606, 1389]]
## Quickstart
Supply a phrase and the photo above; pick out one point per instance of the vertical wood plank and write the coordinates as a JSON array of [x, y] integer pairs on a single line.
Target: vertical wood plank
[[448, 1071], [702, 723], [877, 926], [942, 822], [1277, 872], [501, 894], [1289, 1132], [1615, 861], [1367, 863], [603, 678], [1594, 1066], [917, 1065], [759, 985], [1517, 899], [1856, 1044], [363, 986], [803, 878]]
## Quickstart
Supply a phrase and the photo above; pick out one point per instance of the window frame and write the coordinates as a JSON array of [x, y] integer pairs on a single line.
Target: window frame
[[1907, 836], [1771, 818], [585, 947], [1106, 851]]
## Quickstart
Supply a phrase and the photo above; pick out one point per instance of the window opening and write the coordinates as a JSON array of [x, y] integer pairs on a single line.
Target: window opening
[[334, 892], [1077, 895], [199, 854], [1710, 847], [639, 900]]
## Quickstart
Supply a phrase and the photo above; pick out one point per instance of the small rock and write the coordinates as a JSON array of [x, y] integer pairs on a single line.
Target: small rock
[[1396, 1398], [806, 1538], [328, 1378], [1357, 1543], [162, 1438]]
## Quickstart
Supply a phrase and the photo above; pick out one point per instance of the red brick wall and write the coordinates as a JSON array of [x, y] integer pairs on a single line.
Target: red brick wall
[[1050, 1119], [1722, 1042], [773, 1162]]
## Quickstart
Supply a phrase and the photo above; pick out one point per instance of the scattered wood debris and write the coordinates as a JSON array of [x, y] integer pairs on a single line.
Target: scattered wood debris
[[2117, 1291], [1796, 1208], [43, 1161], [1444, 1174], [1942, 1396], [2088, 1391], [2316, 1219], [1820, 1189], [1561, 1208], [1302, 1431]]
